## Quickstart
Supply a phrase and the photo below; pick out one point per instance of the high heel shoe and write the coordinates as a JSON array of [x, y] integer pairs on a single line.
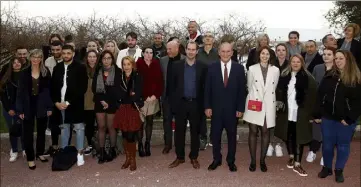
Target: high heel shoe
[[42, 159], [32, 167], [252, 167]]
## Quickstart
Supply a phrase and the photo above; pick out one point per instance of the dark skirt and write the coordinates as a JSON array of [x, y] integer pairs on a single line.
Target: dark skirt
[[98, 108], [127, 118]]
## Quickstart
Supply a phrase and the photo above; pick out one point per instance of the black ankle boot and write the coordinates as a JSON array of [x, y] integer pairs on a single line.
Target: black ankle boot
[[141, 149], [102, 153], [252, 166], [339, 176], [147, 148], [263, 166], [325, 172], [112, 153]]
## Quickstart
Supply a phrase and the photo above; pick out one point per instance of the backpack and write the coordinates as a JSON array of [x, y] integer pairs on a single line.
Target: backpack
[[64, 159]]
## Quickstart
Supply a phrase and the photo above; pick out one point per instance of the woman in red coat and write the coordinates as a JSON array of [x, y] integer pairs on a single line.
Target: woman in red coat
[[127, 118], [150, 70]]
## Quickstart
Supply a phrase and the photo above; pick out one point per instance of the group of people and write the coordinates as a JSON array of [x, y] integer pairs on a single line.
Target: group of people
[[274, 92]]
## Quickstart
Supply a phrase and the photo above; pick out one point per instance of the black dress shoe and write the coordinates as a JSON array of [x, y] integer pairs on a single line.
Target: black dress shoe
[[41, 158], [232, 167], [263, 167], [252, 167], [214, 165], [32, 167]]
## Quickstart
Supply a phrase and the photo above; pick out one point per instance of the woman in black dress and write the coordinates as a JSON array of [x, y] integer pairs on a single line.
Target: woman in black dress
[[106, 89]]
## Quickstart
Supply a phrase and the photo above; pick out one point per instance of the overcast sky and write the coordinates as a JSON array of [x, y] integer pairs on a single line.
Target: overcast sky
[[279, 17]]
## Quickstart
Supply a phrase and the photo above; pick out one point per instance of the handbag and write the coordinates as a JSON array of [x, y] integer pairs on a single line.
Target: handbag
[[64, 159], [255, 105]]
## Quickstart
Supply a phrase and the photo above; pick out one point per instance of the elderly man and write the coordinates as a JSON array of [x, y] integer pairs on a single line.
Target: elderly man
[[167, 63], [224, 101]]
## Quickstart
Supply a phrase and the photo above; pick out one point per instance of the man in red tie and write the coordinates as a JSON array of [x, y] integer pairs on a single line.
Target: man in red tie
[[224, 103]]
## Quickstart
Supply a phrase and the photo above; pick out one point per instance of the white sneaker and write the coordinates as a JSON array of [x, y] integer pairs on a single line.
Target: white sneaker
[[80, 160], [321, 162], [188, 125], [13, 156], [24, 154], [278, 150], [311, 157], [270, 150], [48, 132], [210, 144]]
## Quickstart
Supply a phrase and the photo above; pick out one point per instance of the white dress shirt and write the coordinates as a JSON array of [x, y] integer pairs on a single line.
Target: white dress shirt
[[229, 65], [291, 99], [63, 89]]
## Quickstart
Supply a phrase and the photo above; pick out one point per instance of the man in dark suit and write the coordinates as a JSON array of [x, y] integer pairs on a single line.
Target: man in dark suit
[[311, 56], [224, 102], [187, 97]]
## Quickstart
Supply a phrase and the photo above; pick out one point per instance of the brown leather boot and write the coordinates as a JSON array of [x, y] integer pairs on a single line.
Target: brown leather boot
[[127, 154], [132, 152]]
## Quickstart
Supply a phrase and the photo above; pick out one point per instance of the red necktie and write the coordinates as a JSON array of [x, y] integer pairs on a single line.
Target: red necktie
[[225, 75]]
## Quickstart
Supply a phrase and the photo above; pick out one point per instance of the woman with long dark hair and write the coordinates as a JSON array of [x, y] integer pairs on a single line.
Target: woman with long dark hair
[[260, 113], [338, 108], [149, 68], [106, 89], [127, 118], [296, 92], [8, 87], [34, 102], [89, 114]]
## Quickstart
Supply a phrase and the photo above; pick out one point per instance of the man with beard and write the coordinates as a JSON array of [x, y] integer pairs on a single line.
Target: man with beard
[[77, 53], [159, 49], [133, 49], [52, 61], [167, 63], [311, 56], [194, 33], [68, 86], [187, 90]]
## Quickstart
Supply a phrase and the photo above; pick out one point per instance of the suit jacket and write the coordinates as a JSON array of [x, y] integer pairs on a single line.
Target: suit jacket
[[264, 92], [225, 100], [355, 49], [177, 86], [316, 61], [77, 85], [43, 103], [164, 65]]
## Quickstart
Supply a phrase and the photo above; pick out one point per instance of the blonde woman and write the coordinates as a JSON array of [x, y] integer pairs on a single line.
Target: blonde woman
[[348, 43], [296, 93], [112, 46], [260, 113], [337, 109], [33, 102], [262, 41]]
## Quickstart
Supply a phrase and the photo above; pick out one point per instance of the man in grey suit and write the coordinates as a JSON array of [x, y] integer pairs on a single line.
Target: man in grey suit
[[166, 65]]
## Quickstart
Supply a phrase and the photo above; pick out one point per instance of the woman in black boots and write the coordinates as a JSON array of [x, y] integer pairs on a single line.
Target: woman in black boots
[[106, 89], [296, 93]]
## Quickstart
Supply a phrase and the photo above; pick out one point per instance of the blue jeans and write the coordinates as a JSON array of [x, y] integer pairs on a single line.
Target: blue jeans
[[334, 133], [65, 133], [13, 140]]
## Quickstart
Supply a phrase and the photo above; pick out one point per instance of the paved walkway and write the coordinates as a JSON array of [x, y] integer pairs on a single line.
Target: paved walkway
[[153, 171]]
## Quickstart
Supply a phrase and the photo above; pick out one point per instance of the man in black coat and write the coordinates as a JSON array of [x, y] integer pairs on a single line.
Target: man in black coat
[[69, 84], [186, 93], [311, 56]]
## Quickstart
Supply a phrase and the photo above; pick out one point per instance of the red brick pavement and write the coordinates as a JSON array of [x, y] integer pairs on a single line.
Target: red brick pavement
[[153, 171]]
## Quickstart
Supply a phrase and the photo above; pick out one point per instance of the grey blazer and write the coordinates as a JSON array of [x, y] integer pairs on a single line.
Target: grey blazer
[[318, 72], [164, 65]]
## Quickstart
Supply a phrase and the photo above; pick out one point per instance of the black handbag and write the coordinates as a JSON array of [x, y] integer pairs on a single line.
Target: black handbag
[[64, 159]]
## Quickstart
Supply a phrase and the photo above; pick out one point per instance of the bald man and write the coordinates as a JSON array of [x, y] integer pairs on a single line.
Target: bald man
[[166, 63], [224, 103]]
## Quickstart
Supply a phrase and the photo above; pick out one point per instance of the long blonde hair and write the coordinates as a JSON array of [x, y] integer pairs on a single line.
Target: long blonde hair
[[351, 74], [39, 52], [288, 69], [116, 49]]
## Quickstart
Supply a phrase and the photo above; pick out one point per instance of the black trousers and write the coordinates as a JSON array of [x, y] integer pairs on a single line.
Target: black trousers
[[315, 146], [54, 127], [167, 123], [89, 120], [292, 147], [41, 125], [203, 126], [188, 110]]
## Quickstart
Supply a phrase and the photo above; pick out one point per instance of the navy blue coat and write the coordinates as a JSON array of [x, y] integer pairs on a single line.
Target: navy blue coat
[[44, 103], [223, 100]]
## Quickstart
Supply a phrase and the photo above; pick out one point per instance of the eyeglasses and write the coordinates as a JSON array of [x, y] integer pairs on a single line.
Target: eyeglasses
[[107, 59]]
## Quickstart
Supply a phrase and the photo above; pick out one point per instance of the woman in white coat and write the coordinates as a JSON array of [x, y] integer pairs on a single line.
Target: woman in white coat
[[262, 79]]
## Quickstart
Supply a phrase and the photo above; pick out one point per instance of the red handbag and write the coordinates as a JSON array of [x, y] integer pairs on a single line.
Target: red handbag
[[255, 105]]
